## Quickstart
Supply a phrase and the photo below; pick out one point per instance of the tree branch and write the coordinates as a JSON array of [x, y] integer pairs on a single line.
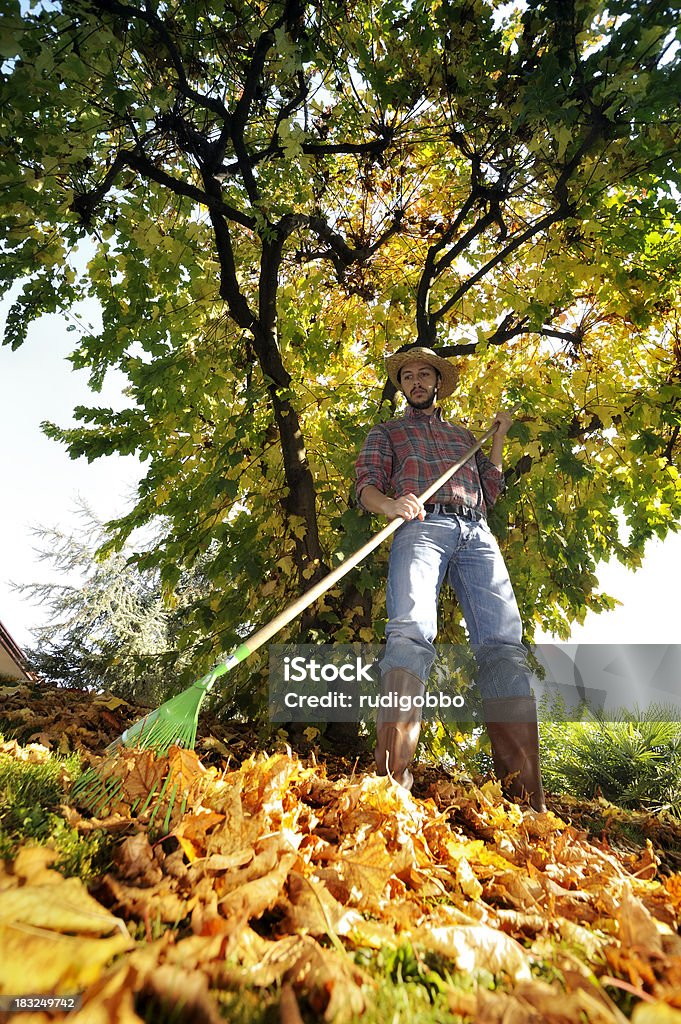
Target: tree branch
[[151, 18], [86, 203], [373, 148], [541, 225]]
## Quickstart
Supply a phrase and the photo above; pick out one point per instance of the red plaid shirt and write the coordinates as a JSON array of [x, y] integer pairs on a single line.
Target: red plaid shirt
[[407, 455]]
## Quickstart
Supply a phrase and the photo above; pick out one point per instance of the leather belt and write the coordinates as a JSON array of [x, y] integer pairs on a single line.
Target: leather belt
[[454, 510]]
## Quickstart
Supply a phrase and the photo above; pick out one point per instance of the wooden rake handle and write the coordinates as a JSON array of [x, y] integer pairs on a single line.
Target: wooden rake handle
[[266, 632]]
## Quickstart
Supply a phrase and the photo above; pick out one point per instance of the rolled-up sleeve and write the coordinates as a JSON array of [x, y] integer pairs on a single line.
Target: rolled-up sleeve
[[492, 479], [374, 465]]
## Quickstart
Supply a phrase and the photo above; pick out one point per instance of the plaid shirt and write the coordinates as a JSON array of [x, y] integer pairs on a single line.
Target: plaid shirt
[[406, 455]]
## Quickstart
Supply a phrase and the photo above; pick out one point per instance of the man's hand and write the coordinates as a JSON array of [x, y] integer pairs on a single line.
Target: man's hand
[[504, 420], [407, 507]]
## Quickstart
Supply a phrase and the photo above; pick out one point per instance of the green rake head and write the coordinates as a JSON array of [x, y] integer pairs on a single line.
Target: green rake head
[[100, 796], [173, 724]]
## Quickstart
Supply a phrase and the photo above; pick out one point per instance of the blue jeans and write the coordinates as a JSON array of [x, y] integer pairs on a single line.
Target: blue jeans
[[467, 553]]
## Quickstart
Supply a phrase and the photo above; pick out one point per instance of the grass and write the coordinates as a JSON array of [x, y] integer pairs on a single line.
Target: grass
[[30, 797], [634, 761], [411, 987]]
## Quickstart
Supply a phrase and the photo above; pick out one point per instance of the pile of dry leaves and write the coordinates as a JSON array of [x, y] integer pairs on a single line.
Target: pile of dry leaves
[[272, 875]]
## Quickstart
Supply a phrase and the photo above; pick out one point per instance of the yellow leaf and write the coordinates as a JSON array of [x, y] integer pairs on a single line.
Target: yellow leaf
[[367, 869], [64, 906], [32, 864], [330, 982], [111, 703], [39, 960], [476, 947], [468, 883], [655, 1013], [111, 1000]]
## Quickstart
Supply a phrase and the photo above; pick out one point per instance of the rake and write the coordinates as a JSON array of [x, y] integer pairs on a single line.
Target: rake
[[175, 722]]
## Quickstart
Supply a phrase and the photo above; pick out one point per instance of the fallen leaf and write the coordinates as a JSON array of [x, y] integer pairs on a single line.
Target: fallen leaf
[[182, 994], [289, 1012], [476, 947], [252, 899], [62, 906], [655, 1013], [366, 869], [311, 909], [638, 927], [134, 860], [331, 983], [39, 960], [110, 1000], [160, 901], [32, 864]]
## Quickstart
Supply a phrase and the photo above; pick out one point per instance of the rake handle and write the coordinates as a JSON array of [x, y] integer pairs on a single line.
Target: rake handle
[[266, 632]]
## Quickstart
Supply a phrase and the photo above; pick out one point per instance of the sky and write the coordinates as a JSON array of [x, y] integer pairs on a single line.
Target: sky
[[41, 485]]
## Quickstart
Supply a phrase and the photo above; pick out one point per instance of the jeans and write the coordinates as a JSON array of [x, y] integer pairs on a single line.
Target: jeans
[[467, 553]]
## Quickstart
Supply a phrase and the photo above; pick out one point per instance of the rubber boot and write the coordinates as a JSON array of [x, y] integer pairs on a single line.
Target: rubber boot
[[397, 731], [512, 728]]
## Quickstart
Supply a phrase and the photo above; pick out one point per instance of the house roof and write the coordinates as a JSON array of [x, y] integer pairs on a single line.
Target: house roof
[[12, 658]]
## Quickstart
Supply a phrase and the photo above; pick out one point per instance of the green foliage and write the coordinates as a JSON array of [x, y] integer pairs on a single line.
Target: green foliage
[[265, 199], [112, 629], [633, 763]]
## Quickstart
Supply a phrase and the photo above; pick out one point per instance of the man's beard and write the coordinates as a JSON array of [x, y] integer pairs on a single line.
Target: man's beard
[[423, 403]]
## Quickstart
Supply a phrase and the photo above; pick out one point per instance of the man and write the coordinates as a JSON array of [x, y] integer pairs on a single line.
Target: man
[[447, 537]]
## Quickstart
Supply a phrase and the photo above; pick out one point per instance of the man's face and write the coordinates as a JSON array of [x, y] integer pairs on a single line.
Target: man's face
[[419, 383]]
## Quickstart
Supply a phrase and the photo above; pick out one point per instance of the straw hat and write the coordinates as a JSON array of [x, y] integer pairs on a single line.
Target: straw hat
[[447, 371]]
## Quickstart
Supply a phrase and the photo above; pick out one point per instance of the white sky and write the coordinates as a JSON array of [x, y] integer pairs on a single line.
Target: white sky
[[40, 485]]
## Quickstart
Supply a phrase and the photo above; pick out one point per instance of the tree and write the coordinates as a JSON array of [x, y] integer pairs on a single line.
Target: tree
[[269, 196], [112, 628]]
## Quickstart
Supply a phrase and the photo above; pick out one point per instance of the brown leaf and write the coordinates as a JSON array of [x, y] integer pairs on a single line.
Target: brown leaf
[[143, 774], [159, 901], [331, 982], [539, 1003], [134, 860], [191, 832], [638, 928], [110, 1000], [288, 1006], [645, 864], [184, 768], [311, 909], [31, 753], [366, 869], [673, 886], [252, 899]]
